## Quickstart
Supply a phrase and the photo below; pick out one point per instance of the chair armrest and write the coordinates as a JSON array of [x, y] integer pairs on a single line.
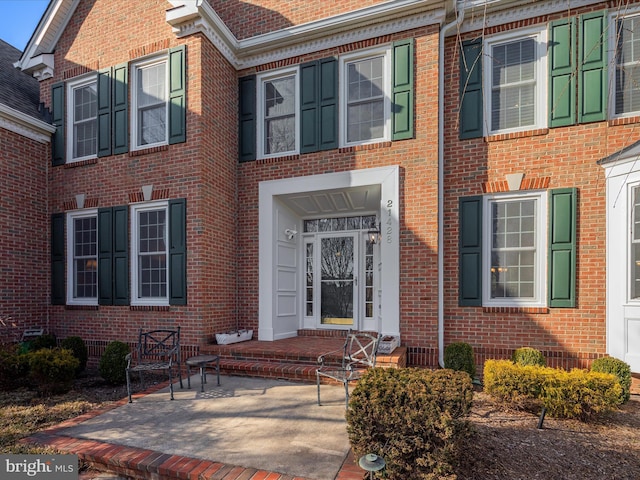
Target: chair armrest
[[321, 357], [128, 359]]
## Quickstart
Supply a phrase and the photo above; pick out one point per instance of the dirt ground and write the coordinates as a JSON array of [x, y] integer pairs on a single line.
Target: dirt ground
[[507, 444]]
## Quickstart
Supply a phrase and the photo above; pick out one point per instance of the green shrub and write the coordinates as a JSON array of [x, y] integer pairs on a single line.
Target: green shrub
[[459, 357], [413, 418], [577, 394], [46, 340], [14, 367], [52, 370], [528, 356], [113, 363], [79, 349], [620, 369]]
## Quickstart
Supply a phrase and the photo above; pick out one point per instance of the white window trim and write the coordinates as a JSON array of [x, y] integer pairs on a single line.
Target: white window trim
[[385, 51], [540, 35], [70, 109], [135, 209], [71, 216], [613, 45], [540, 297], [135, 69], [260, 110]]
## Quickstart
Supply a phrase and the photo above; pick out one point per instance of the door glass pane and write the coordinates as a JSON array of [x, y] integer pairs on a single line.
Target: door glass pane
[[635, 245], [337, 280]]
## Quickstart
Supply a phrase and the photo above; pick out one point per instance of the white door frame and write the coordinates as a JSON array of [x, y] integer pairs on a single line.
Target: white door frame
[[388, 322]]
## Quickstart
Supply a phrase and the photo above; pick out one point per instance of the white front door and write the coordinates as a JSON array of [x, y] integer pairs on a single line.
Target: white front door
[[338, 281], [623, 265]]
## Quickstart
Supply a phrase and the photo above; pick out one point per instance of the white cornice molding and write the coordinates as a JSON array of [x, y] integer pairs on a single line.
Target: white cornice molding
[[481, 14], [378, 20], [22, 124]]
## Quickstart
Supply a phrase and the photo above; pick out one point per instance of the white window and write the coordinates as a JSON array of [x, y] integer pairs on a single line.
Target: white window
[[149, 262], [82, 257], [514, 261], [150, 106], [365, 97], [82, 108], [278, 99], [516, 82], [625, 41]]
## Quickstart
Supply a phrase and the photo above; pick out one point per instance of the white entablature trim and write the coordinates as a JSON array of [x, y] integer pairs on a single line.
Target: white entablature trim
[[362, 24], [22, 124], [481, 14]]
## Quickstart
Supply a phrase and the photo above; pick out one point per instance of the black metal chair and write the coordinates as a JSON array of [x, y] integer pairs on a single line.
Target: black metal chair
[[156, 350], [358, 354]]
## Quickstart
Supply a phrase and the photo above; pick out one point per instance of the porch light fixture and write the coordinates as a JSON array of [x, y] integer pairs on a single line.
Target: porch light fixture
[[371, 463], [290, 233], [374, 234]]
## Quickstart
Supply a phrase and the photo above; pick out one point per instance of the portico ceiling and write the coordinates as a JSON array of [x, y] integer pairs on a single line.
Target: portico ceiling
[[340, 202]]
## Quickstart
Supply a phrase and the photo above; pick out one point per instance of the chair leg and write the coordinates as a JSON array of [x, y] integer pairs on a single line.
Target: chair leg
[[188, 376], [318, 382], [129, 386], [170, 383], [346, 394]]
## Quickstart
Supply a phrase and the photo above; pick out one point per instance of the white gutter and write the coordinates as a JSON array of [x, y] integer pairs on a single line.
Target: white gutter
[[443, 31]]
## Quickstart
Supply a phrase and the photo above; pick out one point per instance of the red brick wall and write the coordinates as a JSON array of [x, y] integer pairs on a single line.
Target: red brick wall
[[417, 159], [250, 18], [24, 257], [202, 170], [563, 157]]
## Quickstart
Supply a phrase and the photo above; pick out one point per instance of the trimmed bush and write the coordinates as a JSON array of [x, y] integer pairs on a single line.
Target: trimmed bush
[[79, 349], [14, 367], [576, 394], [113, 364], [52, 370], [46, 340], [528, 356], [620, 369], [413, 418], [459, 357]]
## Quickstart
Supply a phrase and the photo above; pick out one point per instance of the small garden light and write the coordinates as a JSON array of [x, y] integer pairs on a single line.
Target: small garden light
[[371, 463]]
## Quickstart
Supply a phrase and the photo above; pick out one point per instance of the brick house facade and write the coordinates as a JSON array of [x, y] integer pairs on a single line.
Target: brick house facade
[[235, 158]]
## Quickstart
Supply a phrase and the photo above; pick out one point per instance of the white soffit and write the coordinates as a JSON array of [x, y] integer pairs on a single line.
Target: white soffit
[[382, 19], [352, 200]]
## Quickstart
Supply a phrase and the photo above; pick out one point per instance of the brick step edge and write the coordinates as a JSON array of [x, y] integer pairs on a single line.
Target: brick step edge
[[283, 370]]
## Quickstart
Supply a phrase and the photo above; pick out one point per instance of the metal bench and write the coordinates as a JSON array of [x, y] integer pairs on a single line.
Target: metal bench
[[157, 350]]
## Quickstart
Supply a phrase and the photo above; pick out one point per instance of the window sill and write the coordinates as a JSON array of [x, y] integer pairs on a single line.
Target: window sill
[[530, 310], [146, 151], [149, 308], [513, 135], [366, 146], [269, 160], [614, 122], [81, 163], [81, 307]]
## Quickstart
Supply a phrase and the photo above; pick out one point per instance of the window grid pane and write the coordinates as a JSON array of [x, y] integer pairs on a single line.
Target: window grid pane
[[152, 254], [513, 249], [628, 66], [85, 111], [85, 260], [365, 102], [513, 93], [635, 245], [280, 115], [152, 104]]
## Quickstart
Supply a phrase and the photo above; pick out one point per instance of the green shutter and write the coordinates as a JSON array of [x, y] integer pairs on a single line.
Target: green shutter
[[309, 92], [120, 116], [470, 123], [328, 113], [562, 247], [177, 95], [121, 255], [247, 116], [402, 105], [57, 259], [178, 252], [57, 119], [104, 112], [562, 72], [470, 252], [105, 256], [592, 68]]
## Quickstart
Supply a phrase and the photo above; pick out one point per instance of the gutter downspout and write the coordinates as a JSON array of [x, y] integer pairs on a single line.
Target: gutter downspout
[[458, 20]]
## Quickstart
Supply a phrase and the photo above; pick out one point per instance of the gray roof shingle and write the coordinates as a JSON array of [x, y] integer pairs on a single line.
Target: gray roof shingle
[[17, 89]]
